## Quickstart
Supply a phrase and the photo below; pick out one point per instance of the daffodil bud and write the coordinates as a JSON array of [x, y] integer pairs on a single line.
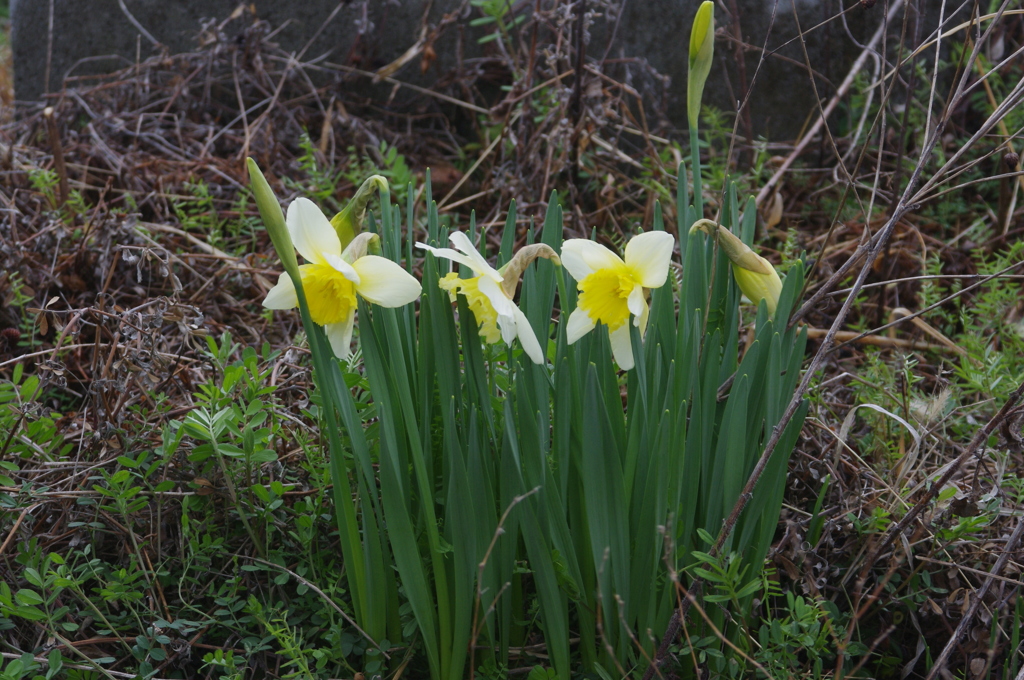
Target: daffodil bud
[[514, 268], [755, 275], [702, 50], [273, 219], [349, 221]]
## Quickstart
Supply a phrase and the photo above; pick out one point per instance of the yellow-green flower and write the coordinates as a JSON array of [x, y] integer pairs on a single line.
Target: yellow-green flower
[[610, 289], [332, 277], [755, 275], [489, 294]]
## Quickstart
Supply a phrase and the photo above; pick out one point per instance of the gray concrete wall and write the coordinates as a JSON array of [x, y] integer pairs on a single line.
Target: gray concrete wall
[[90, 36], [97, 36]]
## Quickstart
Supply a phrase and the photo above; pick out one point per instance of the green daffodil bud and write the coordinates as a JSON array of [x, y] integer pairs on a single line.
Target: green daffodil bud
[[273, 219], [702, 50], [349, 221], [755, 275]]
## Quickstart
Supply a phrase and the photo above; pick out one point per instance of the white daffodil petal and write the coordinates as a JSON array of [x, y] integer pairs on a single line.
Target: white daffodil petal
[[635, 301], [648, 255], [502, 305], [579, 325], [283, 295], [507, 326], [641, 321], [337, 262], [582, 258], [384, 282], [340, 335], [311, 231], [527, 338], [450, 254], [622, 346], [462, 243]]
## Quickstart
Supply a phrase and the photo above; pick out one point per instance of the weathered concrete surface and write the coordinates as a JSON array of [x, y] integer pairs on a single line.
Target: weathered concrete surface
[[97, 36], [90, 36]]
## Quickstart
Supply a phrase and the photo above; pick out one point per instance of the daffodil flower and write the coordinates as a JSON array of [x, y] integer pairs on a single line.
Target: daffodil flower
[[332, 277], [755, 275], [489, 294], [610, 289]]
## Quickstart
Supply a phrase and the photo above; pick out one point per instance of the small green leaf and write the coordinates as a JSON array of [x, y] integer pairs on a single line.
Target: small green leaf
[[264, 456], [27, 597]]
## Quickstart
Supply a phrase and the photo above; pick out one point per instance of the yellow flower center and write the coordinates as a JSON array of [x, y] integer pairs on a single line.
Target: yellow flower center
[[603, 296], [483, 310], [331, 297]]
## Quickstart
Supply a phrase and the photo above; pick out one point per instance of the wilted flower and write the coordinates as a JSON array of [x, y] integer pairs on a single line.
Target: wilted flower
[[489, 294], [332, 277], [755, 275], [611, 289]]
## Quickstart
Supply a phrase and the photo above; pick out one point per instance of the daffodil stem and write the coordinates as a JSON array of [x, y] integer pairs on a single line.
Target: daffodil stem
[[698, 191], [563, 296]]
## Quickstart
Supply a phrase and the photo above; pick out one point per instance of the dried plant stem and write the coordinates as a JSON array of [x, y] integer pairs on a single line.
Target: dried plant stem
[[876, 340], [841, 91], [979, 596], [331, 603], [59, 166], [498, 531], [972, 449]]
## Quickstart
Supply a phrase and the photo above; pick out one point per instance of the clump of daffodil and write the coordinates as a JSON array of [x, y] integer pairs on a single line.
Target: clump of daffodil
[[610, 288], [755, 275], [702, 49], [489, 293], [332, 277]]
